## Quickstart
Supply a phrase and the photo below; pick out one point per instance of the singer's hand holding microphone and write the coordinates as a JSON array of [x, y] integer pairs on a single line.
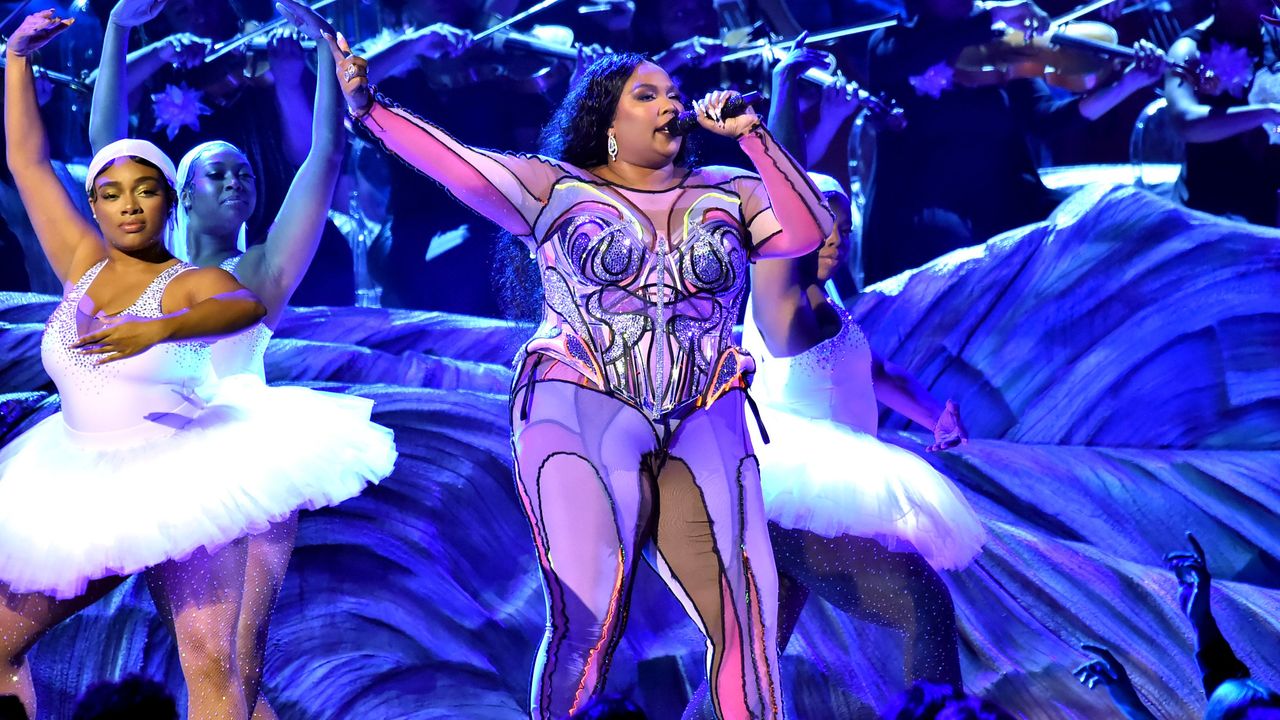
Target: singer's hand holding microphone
[[714, 114], [722, 112]]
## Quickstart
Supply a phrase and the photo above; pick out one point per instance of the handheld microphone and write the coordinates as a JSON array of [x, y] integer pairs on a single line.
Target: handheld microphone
[[687, 121]]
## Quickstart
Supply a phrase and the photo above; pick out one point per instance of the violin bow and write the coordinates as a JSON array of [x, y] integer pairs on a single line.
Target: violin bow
[[1112, 51], [231, 45], [514, 19], [1079, 12], [836, 34], [12, 15], [60, 78]]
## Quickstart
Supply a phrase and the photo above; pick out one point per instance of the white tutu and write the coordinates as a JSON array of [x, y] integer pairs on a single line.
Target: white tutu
[[74, 509], [828, 479]]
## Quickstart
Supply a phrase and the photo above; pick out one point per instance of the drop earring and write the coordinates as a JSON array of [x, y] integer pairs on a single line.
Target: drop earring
[[613, 148]]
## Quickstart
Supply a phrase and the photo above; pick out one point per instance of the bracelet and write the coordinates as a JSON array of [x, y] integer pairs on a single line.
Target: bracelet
[[359, 117], [374, 97]]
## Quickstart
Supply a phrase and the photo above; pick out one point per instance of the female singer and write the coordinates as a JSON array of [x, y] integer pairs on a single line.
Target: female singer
[[627, 419]]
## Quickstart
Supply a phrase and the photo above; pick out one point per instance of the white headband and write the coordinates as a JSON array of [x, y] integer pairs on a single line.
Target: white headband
[[130, 147], [177, 241], [827, 184]]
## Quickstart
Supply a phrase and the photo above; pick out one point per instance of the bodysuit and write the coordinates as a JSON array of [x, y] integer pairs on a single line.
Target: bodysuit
[[627, 424]]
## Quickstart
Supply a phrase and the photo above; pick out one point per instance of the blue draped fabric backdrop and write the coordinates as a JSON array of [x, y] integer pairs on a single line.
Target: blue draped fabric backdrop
[[1117, 367]]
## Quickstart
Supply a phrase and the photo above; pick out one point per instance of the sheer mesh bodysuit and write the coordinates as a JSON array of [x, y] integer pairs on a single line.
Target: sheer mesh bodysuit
[[627, 411]]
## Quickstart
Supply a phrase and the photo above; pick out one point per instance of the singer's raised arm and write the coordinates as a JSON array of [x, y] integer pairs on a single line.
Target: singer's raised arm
[[785, 214], [508, 189]]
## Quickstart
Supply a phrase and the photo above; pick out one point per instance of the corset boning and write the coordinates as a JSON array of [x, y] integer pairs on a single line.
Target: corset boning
[[646, 316]]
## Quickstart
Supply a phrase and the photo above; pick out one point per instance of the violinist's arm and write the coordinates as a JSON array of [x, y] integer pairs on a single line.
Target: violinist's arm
[[1199, 123], [1101, 101], [393, 55], [396, 55], [1147, 68], [896, 54]]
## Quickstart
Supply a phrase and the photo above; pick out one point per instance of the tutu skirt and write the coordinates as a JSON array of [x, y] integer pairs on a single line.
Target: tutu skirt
[[76, 507], [829, 479]]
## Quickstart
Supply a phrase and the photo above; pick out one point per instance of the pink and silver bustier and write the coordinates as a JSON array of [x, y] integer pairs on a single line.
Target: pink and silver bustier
[[642, 287], [644, 312]]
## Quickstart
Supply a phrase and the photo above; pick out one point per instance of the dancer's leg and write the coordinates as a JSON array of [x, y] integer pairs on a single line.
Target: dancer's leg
[[200, 599], [265, 568], [578, 472], [792, 596], [713, 551], [894, 589], [24, 619]]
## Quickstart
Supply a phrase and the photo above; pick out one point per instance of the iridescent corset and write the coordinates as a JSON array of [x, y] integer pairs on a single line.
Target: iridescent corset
[[646, 312]]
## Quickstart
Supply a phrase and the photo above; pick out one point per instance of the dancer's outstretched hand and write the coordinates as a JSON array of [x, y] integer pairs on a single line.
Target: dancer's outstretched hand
[[1192, 572], [308, 21], [36, 31], [1110, 673], [132, 13], [949, 431]]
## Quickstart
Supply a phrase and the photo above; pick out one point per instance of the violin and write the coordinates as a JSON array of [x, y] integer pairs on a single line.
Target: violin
[[532, 62], [1074, 55], [1077, 57], [256, 37], [554, 42], [57, 78], [773, 47], [881, 110], [241, 61]]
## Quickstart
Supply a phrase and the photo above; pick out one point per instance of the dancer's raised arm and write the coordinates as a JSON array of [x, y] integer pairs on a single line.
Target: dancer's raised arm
[[275, 268], [121, 72], [70, 243]]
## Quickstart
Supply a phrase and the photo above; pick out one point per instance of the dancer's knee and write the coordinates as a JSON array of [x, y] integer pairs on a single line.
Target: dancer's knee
[[207, 654]]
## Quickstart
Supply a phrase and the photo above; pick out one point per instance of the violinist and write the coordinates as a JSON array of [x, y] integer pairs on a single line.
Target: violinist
[[963, 169], [812, 121], [1232, 164], [442, 71]]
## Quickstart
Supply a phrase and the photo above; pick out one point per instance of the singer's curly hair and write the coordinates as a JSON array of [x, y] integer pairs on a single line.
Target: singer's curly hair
[[578, 130]]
